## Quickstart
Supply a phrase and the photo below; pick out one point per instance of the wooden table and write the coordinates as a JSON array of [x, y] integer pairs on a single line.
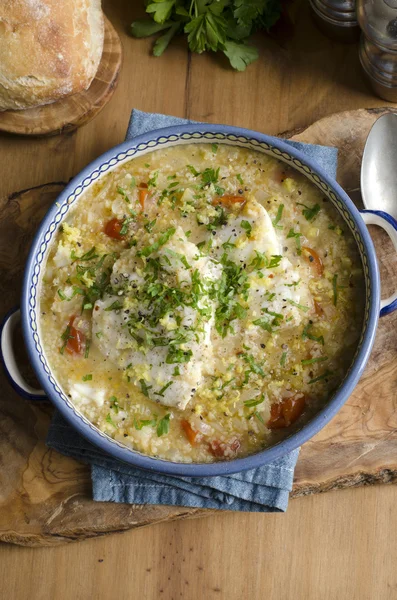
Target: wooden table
[[340, 545]]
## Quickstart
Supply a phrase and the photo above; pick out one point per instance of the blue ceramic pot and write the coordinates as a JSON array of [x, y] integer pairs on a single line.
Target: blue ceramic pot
[[171, 136]]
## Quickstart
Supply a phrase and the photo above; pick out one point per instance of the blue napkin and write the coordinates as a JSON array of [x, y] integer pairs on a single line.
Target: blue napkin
[[265, 489]]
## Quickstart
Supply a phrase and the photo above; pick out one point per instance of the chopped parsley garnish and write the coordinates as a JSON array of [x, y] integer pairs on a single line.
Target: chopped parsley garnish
[[177, 355], [297, 236], [165, 387], [218, 220], [109, 420], [306, 334], [259, 262], [232, 284], [335, 288], [228, 245], [179, 256], [255, 368], [214, 148], [321, 377], [116, 305], [274, 261], [152, 181], [300, 306], [246, 225], [149, 225], [240, 179], [283, 359], [145, 388], [193, 170], [294, 284], [163, 425], [65, 337], [210, 175], [278, 216], [268, 323], [62, 295], [259, 417], [310, 213], [311, 361], [162, 239], [124, 225], [94, 278], [90, 255], [87, 377], [87, 348], [124, 194], [254, 401], [176, 372], [144, 423]]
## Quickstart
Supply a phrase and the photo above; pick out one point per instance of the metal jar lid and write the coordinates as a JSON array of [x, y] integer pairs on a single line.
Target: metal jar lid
[[378, 48], [336, 18]]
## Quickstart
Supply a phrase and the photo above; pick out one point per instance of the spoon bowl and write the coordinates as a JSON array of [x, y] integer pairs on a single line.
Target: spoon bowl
[[379, 166]]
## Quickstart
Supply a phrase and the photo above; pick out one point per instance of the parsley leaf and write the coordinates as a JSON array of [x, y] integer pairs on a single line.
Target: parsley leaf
[[240, 55], [306, 334], [216, 25], [109, 420], [254, 401], [310, 213], [163, 425], [278, 216], [162, 239], [247, 226]]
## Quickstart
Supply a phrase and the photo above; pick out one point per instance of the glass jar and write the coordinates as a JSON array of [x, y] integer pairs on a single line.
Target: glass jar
[[378, 45], [336, 18]]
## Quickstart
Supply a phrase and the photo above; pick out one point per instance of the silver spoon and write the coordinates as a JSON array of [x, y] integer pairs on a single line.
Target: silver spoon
[[379, 166]]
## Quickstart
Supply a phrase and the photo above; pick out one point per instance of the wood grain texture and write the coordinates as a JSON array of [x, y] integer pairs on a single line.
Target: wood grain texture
[[358, 447], [73, 111], [334, 546]]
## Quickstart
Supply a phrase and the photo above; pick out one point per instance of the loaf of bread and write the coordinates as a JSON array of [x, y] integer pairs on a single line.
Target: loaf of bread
[[49, 49]]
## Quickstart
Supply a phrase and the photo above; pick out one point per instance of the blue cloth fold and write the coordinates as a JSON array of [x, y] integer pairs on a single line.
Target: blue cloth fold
[[265, 489]]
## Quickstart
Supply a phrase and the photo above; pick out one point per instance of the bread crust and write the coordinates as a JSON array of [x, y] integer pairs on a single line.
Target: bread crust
[[49, 49]]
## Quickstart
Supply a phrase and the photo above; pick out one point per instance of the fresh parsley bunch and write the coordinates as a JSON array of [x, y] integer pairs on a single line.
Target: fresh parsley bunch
[[223, 25]]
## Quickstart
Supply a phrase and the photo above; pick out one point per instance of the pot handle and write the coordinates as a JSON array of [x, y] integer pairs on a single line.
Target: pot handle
[[389, 224], [7, 355]]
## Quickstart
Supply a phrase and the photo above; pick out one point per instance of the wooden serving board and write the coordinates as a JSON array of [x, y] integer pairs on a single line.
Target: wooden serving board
[[72, 111], [45, 498]]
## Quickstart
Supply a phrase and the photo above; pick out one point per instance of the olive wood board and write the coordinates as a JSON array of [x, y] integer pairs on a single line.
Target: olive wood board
[[75, 110], [45, 498]]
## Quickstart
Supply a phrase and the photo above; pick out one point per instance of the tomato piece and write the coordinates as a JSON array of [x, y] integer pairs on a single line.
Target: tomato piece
[[286, 412], [143, 193], [113, 229], [220, 449], [217, 449], [143, 185], [228, 201], [314, 259], [189, 432], [76, 339]]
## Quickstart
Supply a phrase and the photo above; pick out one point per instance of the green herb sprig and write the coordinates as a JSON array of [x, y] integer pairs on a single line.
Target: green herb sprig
[[215, 25]]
